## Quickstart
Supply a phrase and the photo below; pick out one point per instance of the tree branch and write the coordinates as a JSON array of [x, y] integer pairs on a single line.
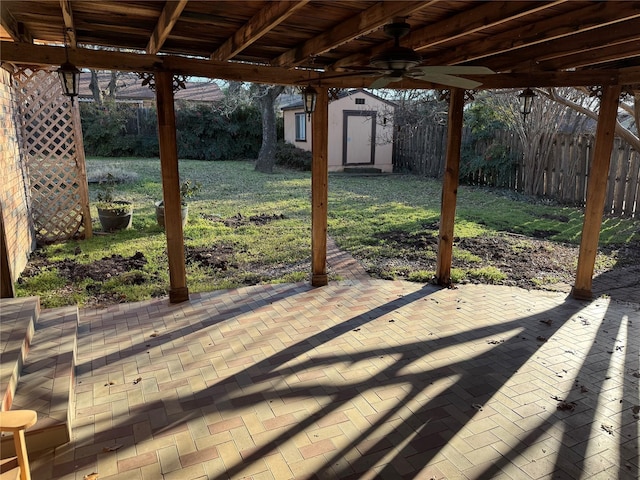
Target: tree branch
[[622, 132]]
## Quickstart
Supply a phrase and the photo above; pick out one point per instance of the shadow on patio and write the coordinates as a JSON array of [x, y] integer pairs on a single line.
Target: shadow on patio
[[369, 379]]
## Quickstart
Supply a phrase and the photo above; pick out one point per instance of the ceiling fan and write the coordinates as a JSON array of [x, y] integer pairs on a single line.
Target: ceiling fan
[[396, 63]]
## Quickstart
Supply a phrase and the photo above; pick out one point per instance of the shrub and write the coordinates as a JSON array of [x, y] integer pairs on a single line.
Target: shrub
[[290, 156], [207, 133], [204, 132]]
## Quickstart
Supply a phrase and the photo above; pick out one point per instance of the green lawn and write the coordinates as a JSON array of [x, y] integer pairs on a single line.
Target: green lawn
[[387, 222]]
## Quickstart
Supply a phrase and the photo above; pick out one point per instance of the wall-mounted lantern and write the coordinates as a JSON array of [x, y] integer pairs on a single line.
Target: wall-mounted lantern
[[69, 75], [526, 101], [309, 97]]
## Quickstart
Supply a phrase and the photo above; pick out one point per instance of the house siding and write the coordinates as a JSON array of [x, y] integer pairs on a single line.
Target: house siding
[[16, 224]]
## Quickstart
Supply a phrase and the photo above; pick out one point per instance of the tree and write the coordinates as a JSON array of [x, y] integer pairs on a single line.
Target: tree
[[99, 95], [266, 95]]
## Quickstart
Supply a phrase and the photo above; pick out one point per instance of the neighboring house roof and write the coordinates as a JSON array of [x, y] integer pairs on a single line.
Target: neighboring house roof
[[297, 103], [130, 88]]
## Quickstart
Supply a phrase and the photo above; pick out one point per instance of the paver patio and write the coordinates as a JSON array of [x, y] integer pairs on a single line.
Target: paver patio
[[359, 379]]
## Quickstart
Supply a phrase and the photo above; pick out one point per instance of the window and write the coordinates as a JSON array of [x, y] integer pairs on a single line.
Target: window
[[301, 127], [359, 101]]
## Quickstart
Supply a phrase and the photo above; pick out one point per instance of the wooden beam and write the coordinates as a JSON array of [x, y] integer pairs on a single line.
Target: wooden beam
[[363, 23], [596, 192], [450, 188], [167, 19], [536, 39], [70, 29], [178, 291], [584, 57], [319, 189], [476, 19], [15, 29], [261, 23], [22, 53]]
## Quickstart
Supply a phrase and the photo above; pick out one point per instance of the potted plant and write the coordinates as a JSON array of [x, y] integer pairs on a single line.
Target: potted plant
[[188, 188], [113, 214]]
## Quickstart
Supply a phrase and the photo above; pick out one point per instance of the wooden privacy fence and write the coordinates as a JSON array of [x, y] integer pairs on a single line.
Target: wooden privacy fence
[[51, 145], [562, 175]]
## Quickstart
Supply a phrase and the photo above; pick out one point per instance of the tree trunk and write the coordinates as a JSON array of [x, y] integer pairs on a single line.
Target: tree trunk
[[113, 85], [94, 86], [266, 96]]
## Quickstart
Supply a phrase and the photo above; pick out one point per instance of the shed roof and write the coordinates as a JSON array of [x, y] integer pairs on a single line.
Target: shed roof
[[297, 103]]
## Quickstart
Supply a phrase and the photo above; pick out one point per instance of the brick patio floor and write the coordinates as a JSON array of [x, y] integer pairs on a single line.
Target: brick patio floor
[[359, 379]]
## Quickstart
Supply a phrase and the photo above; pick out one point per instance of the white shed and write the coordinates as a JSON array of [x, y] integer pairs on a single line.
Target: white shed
[[360, 131]]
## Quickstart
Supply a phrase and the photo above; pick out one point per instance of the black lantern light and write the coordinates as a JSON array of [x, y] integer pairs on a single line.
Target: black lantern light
[[70, 78], [526, 100], [309, 96], [69, 75]]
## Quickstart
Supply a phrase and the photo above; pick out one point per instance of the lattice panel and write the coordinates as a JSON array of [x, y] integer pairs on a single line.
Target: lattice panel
[[48, 144]]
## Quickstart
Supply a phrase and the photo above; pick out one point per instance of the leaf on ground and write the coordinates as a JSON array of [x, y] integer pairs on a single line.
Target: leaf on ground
[[540, 338], [137, 380], [495, 342], [154, 334], [91, 476], [607, 428], [112, 448], [547, 322]]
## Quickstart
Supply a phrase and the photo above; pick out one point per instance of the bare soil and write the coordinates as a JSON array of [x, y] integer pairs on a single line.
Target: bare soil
[[526, 261]]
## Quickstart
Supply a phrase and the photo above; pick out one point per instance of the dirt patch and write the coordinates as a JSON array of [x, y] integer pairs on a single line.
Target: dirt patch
[[216, 257], [239, 220], [99, 271], [527, 262]]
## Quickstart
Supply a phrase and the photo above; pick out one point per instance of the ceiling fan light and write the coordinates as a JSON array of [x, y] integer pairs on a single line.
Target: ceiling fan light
[[396, 58]]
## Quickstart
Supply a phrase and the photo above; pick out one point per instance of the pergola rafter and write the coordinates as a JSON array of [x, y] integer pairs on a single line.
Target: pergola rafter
[[460, 25], [261, 23], [168, 18], [365, 22]]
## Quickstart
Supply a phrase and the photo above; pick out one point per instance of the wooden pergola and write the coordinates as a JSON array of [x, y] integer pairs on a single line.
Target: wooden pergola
[[329, 44]]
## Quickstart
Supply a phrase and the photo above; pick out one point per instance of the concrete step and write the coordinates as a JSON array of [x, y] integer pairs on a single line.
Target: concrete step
[[17, 320], [47, 381]]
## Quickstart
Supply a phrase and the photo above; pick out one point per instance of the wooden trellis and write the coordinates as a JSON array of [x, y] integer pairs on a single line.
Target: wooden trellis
[[51, 145]]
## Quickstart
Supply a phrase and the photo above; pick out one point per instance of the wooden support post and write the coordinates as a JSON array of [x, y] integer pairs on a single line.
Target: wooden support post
[[82, 171], [319, 189], [178, 291], [596, 192], [450, 187]]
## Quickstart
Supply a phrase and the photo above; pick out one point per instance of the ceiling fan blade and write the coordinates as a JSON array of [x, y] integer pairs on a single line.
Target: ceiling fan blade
[[455, 70], [383, 82], [449, 80]]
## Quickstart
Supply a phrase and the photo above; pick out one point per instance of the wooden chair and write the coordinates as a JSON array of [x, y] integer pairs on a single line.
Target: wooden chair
[[16, 422]]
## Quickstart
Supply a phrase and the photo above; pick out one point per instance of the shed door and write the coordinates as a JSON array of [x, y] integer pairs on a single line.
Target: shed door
[[359, 135]]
